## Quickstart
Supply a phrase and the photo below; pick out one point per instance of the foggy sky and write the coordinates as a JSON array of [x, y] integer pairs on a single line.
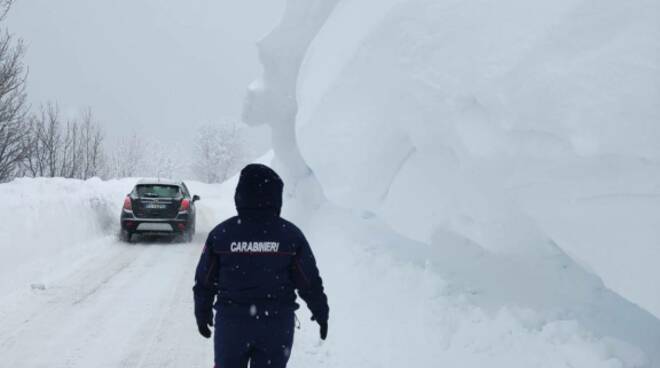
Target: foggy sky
[[156, 66]]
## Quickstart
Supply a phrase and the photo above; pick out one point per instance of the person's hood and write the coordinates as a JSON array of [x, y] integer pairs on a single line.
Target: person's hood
[[259, 191]]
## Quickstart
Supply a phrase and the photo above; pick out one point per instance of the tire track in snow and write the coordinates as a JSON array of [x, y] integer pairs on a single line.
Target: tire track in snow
[[152, 355], [124, 311], [59, 294], [65, 323], [97, 309], [100, 285]]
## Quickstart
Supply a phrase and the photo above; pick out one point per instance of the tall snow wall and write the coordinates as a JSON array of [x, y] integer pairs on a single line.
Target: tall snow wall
[[506, 122], [271, 98], [515, 142]]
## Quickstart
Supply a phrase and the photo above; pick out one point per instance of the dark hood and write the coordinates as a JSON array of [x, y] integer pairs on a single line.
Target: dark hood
[[259, 191]]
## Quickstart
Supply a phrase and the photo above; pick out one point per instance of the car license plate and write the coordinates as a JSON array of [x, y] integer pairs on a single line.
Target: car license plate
[[154, 206]]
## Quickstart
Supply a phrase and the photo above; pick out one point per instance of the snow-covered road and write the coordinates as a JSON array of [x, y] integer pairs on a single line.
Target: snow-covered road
[[76, 296], [126, 306], [80, 298]]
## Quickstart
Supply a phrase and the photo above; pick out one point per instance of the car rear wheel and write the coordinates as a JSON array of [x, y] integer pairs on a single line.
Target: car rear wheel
[[188, 236], [126, 236]]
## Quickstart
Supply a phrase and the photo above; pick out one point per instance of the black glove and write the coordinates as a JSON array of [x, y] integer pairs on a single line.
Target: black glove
[[204, 329], [323, 328]]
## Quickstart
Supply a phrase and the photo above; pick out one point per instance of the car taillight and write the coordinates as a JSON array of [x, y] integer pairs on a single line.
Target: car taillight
[[185, 205], [128, 205]]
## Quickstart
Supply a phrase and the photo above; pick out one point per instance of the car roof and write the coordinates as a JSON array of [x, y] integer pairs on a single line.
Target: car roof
[[159, 181]]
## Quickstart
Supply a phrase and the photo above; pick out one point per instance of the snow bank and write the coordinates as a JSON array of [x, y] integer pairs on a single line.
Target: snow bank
[[514, 124], [271, 98], [513, 146], [48, 218], [50, 224], [396, 302]]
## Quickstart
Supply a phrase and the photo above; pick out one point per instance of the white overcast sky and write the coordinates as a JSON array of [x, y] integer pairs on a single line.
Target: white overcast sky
[[160, 66]]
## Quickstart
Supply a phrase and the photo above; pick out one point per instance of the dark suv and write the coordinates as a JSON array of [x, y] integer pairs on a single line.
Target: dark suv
[[159, 207]]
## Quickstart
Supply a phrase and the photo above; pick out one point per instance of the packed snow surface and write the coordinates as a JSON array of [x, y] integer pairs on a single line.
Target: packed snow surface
[[71, 291]]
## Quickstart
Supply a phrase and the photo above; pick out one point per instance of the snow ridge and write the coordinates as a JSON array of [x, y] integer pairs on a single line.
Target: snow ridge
[[515, 112]]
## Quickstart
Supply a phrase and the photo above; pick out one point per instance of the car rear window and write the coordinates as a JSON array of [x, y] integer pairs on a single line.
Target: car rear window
[[157, 191]]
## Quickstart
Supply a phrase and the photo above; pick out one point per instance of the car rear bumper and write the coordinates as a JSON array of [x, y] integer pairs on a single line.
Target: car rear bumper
[[141, 225]]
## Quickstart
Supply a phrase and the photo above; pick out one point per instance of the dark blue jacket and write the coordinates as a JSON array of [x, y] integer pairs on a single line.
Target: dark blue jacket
[[253, 263]]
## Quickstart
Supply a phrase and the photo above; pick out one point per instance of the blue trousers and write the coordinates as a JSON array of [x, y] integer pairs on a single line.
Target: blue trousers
[[263, 341]]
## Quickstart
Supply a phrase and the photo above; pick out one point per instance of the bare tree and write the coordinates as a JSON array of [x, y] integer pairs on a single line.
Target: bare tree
[[127, 158], [35, 159], [71, 150], [51, 139], [218, 152], [42, 143], [133, 156], [165, 161], [5, 5], [13, 107], [70, 160], [91, 154]]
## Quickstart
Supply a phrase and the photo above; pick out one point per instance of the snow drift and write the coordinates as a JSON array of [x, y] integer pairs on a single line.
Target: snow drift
[[69, 288], [513, 146], [50, 218], [510, 123], [53, 222]]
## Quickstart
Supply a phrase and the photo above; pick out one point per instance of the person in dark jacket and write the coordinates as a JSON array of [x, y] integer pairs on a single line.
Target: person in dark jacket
[[250, 268]]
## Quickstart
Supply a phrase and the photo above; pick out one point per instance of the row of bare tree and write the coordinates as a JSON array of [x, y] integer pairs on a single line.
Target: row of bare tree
[[46, 144], [53, 147], [39, 144], [13, 106], [219, 152], [216, 153]]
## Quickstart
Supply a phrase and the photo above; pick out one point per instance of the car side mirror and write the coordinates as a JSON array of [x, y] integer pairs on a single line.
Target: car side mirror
[[196, 198]]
